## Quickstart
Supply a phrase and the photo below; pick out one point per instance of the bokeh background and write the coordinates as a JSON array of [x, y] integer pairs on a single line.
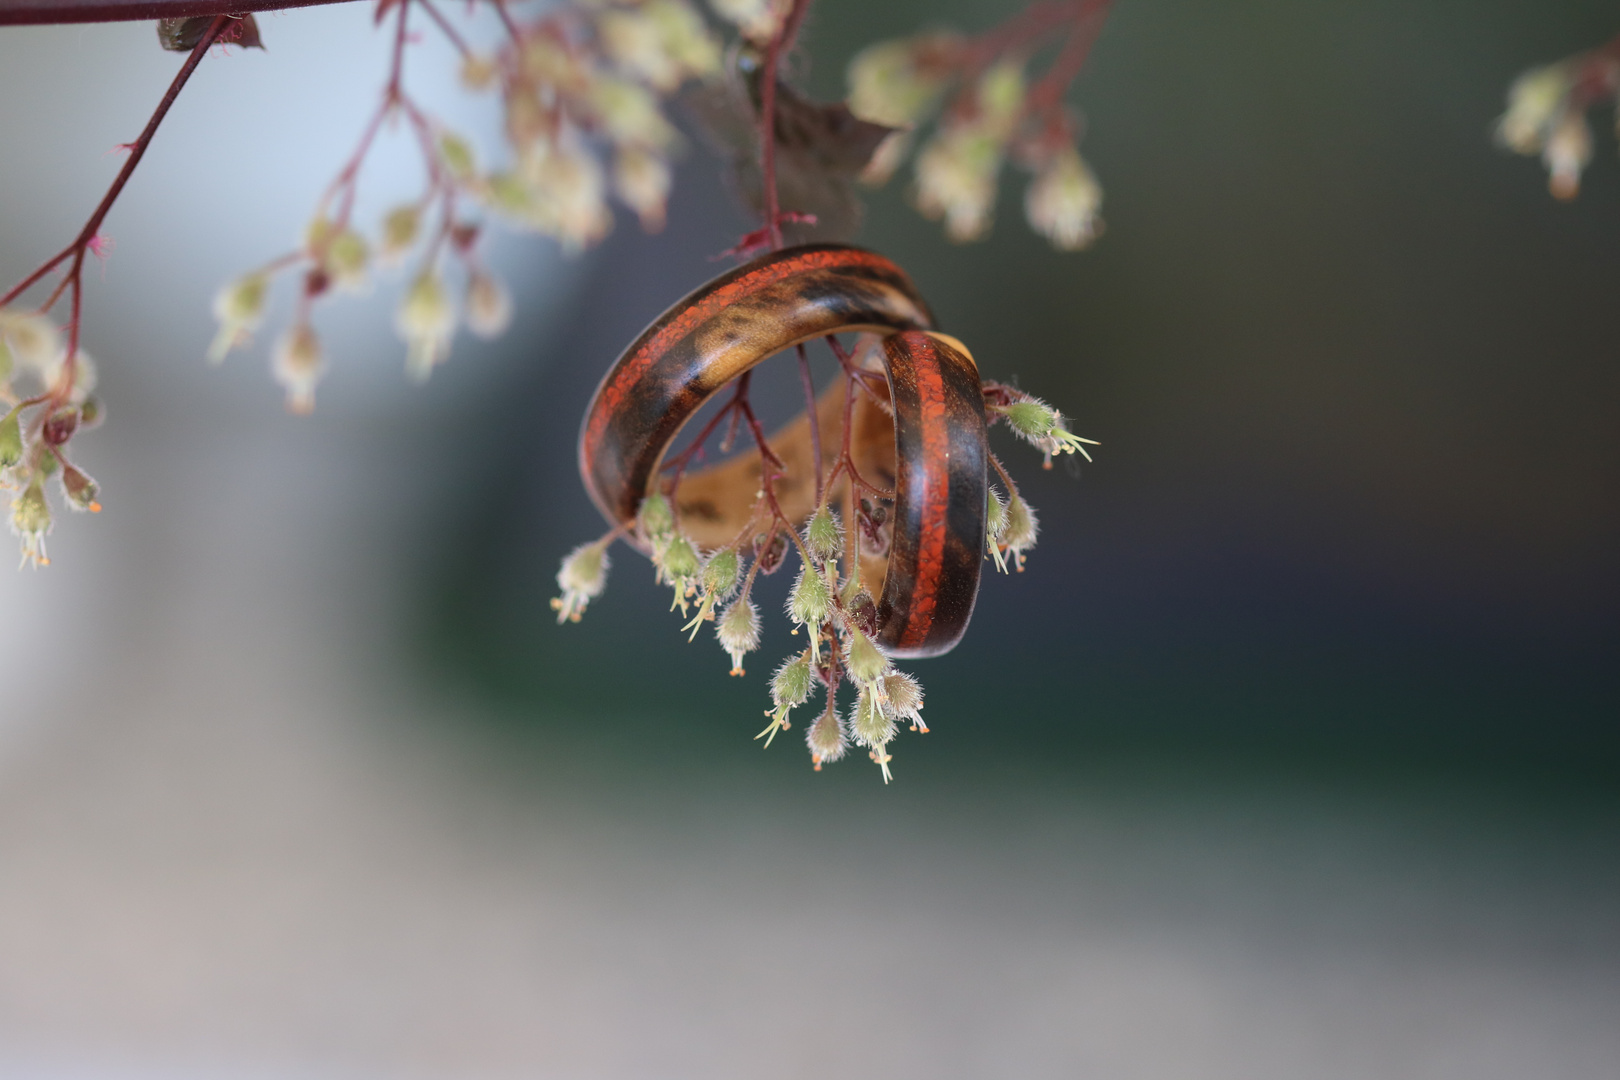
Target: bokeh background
[[1292, 754]]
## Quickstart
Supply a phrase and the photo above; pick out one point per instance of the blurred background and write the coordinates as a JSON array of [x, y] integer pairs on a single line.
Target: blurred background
[[1292, 754]]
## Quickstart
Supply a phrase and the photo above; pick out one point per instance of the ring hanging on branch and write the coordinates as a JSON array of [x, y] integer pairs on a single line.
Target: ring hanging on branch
[[906, 467]]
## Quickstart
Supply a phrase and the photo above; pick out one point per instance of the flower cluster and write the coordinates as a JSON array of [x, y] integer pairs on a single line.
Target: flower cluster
[[987, 113], [1547, 108], [48, 399], [580, 85], [828, 602]]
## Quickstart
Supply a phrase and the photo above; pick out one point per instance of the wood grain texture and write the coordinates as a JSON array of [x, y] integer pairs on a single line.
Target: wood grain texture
[[926, 441]]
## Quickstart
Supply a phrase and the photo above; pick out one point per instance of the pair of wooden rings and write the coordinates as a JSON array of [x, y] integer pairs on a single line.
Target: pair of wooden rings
[[932, 454]]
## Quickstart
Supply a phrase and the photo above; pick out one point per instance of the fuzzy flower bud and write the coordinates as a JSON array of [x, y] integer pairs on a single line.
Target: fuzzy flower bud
[[826, 738], [11, 442], [478, 72], [790, 686], [564, 194], [1062, 202], [426, 320], [891, 83], [870, 724], [1568, 149], [1042, 426], [642, 179], [738, 631], [399, 232], [757, 19], [722, 572], [823, 536], [346, 259], [1018, 536], [903, 699], [863, 659], [630, 114], [489, 305], [810, 599], [30, 521], [239, 307], [678, 565], [956, 180], [581, 579], [81, 491], [655, 517], [456, 153], [33, 340], [995, 515], [298, 364], [1535, 100]]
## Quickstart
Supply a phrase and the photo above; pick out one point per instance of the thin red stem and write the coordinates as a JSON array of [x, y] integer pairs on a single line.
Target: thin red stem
[[137, 150], [815, 419]]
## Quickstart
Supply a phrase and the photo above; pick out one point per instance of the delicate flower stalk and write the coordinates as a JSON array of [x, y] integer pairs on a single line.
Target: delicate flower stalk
[[582, 578]]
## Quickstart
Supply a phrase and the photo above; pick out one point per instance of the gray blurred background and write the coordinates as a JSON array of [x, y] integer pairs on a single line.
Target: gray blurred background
[[1293, 753]]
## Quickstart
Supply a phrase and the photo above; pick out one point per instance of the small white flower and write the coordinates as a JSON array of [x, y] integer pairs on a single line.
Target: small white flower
[[426, 321], [298, 365], [956, 180], [826, 737], [581, 579], [33, 339], [399, 232], [1535, 101], [738, 631], [1567, 152], [489, 305], [85, 376], [1063, 200], [642, 179]]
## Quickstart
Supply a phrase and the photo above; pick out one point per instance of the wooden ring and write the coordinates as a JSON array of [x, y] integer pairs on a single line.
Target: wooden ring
[[932, 453]]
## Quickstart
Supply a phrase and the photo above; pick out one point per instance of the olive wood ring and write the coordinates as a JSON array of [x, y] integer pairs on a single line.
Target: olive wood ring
[[932, 453]]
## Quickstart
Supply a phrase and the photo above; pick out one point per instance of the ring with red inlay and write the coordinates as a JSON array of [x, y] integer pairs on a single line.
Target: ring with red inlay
[[932, 454]]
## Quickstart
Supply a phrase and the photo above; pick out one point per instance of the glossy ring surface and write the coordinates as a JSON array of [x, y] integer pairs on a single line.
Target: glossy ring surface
[[932, 453]]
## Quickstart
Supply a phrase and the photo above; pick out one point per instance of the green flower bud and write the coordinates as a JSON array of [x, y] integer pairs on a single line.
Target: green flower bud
[[826, 738], [810, 599], [30, 521], [904, 698], [995, 515], [239, 307], [870, 725], [863, 659], [346, 260], [91, 413], [722, 572], [790, 686], [1031, 419], [582, 578], [457, 155], [823, 536], [11, 442], [738, 631], [399, 232], [680, 559], [655, 516]]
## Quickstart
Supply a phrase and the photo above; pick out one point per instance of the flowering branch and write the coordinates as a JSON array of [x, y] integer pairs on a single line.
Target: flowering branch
[[1547, 109], [28, 458]]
